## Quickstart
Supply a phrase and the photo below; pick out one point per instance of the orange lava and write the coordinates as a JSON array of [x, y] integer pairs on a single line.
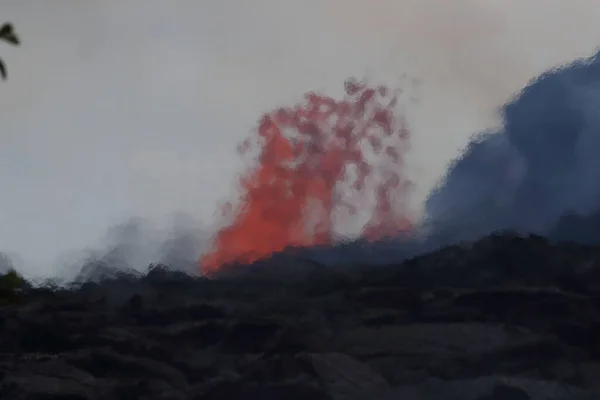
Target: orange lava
[[307, 154]]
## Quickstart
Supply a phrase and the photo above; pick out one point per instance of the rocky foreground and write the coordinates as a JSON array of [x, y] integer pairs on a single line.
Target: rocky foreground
[[504, 319]]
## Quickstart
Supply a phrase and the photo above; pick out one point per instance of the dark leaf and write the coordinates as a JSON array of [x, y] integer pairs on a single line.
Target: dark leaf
[[2, 70], [7, 33]]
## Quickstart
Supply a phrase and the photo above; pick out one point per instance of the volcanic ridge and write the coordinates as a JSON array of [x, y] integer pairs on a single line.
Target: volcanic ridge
[[503, 316]]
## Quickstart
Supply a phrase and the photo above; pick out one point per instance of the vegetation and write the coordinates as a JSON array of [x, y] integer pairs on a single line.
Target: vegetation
[[11, 287], [7, 33]]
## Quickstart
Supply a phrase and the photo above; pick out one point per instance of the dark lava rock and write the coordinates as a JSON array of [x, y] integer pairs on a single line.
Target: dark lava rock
[[251, 336], [265, 391], [520, 309], [506, 392]]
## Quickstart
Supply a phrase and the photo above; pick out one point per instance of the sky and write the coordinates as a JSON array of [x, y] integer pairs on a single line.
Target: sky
[[134, 108]]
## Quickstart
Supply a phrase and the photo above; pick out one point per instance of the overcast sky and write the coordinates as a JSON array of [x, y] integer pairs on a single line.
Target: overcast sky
[[121, 108]]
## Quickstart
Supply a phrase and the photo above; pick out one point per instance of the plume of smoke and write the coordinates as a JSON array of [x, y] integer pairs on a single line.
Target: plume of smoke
[[132, 246], [538, 173], [540, 165]]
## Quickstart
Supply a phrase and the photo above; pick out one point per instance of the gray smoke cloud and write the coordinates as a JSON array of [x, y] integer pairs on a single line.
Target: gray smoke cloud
[[539, 173], [126, 108], [136, 244], [542, 164]]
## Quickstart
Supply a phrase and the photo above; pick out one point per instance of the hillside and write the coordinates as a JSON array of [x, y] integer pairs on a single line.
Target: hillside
[[505, 316]]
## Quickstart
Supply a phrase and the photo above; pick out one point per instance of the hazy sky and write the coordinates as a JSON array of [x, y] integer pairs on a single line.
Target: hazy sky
[[121, 108]]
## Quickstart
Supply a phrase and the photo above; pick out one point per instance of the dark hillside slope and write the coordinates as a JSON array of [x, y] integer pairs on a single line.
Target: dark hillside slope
[[510, 315]]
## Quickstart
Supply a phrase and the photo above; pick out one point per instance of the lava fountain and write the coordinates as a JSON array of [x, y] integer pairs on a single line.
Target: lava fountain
[[319, 160]]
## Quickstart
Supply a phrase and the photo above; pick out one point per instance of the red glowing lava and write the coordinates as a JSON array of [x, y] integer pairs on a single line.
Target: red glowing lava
[[307, 154]]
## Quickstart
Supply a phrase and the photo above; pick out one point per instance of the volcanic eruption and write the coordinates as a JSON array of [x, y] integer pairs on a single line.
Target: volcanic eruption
[[324, 158], [319, 161]]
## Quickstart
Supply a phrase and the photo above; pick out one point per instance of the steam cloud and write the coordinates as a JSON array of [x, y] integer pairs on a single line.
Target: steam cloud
[[132, 246]]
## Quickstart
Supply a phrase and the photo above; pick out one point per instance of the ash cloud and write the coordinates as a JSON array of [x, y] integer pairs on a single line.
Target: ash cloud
[[542, 164]]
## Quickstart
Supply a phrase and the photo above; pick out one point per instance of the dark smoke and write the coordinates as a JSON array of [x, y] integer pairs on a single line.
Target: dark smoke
[[539, 173], [541, 165]]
